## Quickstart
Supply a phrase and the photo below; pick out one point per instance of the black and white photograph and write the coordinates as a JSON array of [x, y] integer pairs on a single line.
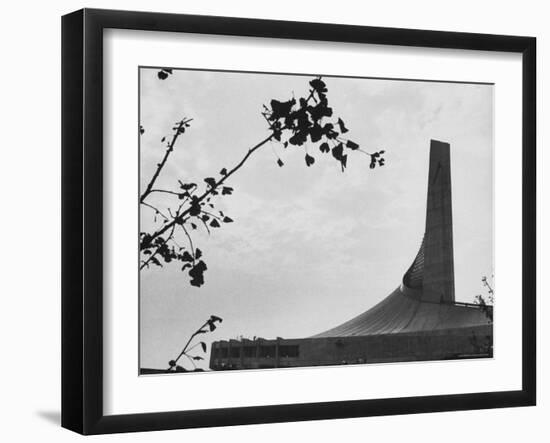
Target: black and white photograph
[[300, 220]]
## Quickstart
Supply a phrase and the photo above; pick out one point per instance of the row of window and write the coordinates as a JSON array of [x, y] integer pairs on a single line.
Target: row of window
[[268, 351]]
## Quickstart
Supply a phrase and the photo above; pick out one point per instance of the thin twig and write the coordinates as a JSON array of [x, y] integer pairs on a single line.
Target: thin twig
[[210, 214], [170, 148], [165, 191], [194, 346], [190, 243], [192, 362], [205, 225], [155, 209]]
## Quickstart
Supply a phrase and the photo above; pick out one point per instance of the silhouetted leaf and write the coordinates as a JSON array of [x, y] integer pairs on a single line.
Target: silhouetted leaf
[[319, 111], [315, 133], [195, 206], [223, 171], [337, 151], [309, 160], [211, 322], [203, 346], [227, 219], [324, 148], [281, 109], [352, 145], [214, 223], [186, 256], [197, 273], [318, 85], [344, 161], [141, 130], [163, 75], [227, 190], [342, 126], [298, 139], [187, 186], [211, 181], [280, 162], [198, 357], [329, 131]]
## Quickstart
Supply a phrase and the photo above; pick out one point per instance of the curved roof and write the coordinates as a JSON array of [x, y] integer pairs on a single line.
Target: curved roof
[[404, 311]]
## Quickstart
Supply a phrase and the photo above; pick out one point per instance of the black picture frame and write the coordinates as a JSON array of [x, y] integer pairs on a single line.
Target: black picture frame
[[82, 219]]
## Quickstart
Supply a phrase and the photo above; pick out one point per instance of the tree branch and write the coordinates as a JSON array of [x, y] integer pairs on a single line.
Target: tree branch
[[169, 150], [146, 262], [206, 193], [189, 341]]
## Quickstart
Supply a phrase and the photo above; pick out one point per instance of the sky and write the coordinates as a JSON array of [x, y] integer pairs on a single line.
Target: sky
[[310, 247]]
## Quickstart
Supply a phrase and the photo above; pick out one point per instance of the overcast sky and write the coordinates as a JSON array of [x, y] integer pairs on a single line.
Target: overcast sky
[[309, 247]]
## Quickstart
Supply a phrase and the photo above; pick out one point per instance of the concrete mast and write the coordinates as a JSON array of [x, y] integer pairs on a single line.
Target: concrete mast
[[438, 275]]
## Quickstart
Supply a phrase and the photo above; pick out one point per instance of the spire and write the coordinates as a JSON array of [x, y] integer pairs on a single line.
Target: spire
[[438, 275]]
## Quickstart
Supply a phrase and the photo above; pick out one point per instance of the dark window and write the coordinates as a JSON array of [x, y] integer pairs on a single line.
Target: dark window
[[250, 351], [289, 351], [235, 352], [223, 353], [267, 351]]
